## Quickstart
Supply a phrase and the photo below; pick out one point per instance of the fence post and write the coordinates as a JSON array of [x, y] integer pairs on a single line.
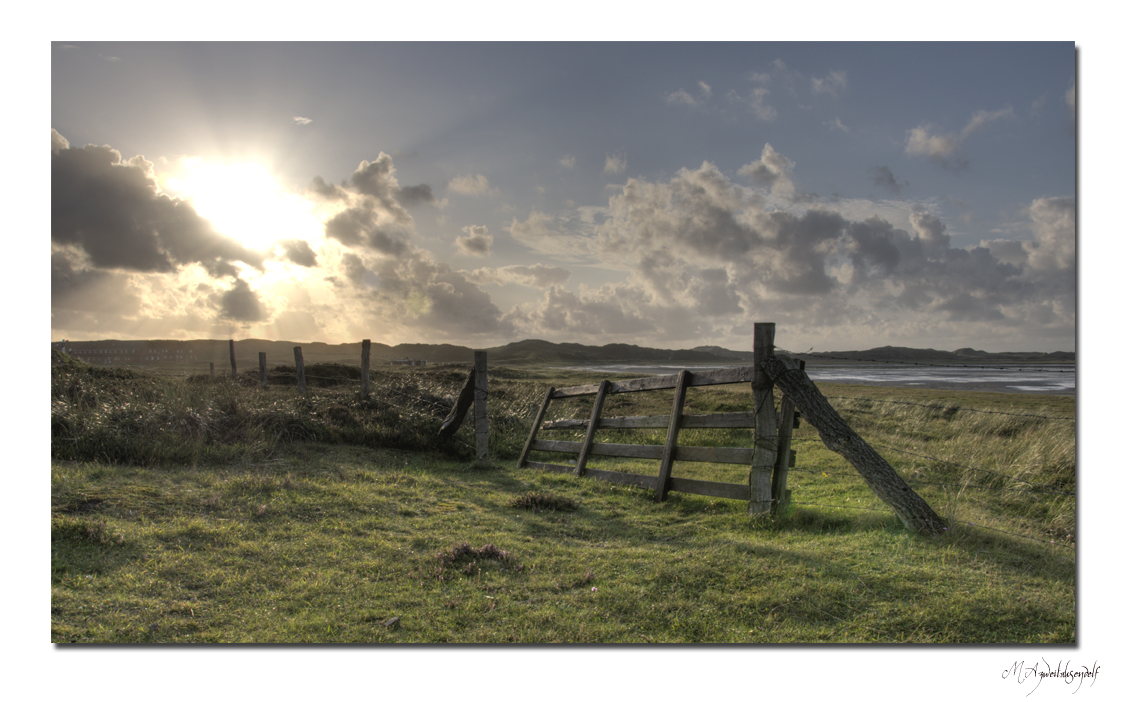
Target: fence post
[[911, 509], [522, 462], [233, 364], [663, 482], [765, 423], [365, 386], [299, 358], [261, 366], [594, 418], [212, 369], [480, 402]]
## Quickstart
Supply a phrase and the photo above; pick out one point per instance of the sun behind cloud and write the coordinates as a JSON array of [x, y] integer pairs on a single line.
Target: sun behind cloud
[[244, 201]]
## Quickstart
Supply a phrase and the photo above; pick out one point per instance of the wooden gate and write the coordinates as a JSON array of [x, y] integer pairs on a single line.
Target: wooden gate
[[769, 458]]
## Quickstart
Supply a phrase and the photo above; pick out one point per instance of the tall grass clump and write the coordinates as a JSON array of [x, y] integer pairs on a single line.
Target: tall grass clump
[[977, 462], [123, 416]]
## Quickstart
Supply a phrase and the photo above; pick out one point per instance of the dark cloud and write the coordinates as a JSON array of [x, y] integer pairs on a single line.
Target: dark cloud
[[112, 210], [241, 304], [884, 178], [477, 242], [94, 291], [299, 252], [700, 242], [377, 220], [416, 195], [327, 190]]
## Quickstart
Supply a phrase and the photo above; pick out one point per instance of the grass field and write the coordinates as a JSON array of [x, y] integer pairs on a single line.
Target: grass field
[[200, 511]]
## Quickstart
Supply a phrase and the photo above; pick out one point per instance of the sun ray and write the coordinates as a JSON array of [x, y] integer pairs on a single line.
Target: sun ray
[[243, 201]]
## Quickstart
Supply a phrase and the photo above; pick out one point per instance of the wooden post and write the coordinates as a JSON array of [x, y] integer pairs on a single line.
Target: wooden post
[[261, 366], [212, 369], [784, 453], [663, 482], [460, 409], [522, 462], [480, 402], [365, 386], [765, 423], [594, 418], [911, 509], [233, 364], [298, 357]]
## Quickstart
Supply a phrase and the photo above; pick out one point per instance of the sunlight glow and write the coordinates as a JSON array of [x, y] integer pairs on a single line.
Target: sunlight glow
[[244, 201]]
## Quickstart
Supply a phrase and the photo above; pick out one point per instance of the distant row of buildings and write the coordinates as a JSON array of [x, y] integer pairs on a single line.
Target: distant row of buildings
[[106, 355]]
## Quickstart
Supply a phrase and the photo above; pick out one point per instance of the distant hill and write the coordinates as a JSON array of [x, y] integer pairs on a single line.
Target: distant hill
[[900, 354], [203, 351]]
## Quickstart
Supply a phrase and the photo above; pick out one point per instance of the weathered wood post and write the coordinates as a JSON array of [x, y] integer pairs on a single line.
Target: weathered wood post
[[212, 369], [765, 423], [261, 366], [233, 364], [522, 462], [910, 508], [480, 403], [365, 386], [663, 482], [594, 419], [298, 357]]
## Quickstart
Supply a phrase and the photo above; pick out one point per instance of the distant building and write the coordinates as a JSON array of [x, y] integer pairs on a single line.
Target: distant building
[[97, 353], [407, 362]]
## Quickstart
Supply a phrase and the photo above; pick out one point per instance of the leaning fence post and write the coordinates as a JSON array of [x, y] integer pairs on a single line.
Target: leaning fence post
[[261, 366], [233, 364], [365, 387], [298, 357], [765, 422], [480, 402]]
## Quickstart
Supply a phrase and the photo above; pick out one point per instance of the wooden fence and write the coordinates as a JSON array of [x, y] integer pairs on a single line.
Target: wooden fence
[[769, 459]]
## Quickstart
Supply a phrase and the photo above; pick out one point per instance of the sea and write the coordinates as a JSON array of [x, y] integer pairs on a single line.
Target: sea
[[1034, 379]]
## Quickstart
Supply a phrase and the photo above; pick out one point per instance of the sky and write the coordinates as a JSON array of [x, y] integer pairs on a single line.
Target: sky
[[663, 194]]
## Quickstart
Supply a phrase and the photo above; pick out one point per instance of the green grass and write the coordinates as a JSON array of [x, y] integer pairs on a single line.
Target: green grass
[[354, 535]]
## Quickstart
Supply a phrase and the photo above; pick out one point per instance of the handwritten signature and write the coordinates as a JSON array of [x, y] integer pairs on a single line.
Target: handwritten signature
[[1021, 672]]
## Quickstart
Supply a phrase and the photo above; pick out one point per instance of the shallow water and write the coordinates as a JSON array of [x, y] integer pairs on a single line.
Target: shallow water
[[1042, 380]]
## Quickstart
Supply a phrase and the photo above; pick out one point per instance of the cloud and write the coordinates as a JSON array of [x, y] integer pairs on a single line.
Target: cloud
[[566, 161], [112, 211], [772, 171], [681, 97], [836, 125], [301, 121], [478, 241], [241, 304], [471, 185], [1071, 99], [755, 103], [546, 235], [944, 148], [707, 256], [299, 252], [616, 163], [833, 84], [884, 178], [537, 275], [375, 217], [417, 195]]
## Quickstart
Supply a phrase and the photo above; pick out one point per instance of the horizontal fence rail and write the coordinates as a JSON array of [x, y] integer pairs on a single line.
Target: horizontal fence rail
[[768, 459]]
